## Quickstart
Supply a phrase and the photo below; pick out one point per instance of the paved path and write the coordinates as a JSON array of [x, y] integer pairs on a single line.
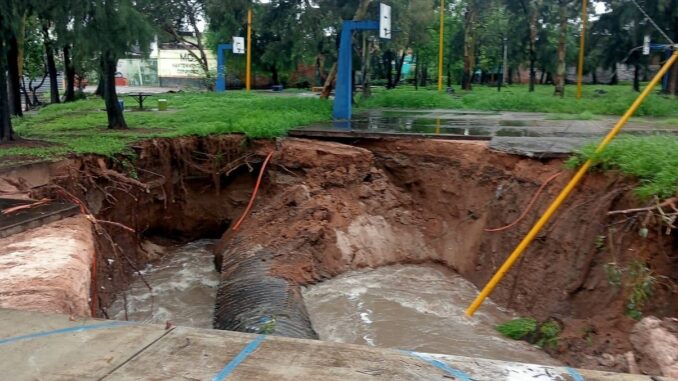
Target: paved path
[[522, 133], [37, 346]]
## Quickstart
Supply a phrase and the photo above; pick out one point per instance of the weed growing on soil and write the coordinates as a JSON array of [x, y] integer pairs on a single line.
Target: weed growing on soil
[[548, 334], [543, 335], [638, 282], [518, 329], [651, 159]]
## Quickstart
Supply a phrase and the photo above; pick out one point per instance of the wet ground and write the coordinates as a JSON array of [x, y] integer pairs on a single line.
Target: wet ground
[[413, 307], [530, 134], [184, 286]]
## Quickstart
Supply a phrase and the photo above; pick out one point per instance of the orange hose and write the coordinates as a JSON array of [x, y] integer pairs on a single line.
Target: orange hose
[[254, 194], [529, 205]]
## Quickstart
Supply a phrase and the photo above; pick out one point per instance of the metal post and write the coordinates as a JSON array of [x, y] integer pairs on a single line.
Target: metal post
[[342, 109], [582, 44], [504, 73], [530, 236], [248, 71], [440, 45], [221, 66]]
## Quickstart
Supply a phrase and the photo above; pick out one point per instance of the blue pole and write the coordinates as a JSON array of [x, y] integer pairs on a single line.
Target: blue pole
[[221, 66], [342, 109]]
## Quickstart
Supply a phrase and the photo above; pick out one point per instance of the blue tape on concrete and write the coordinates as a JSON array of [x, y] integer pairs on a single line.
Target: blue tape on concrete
[[244, 354], [81, 328], [444, 367], [575, 375]]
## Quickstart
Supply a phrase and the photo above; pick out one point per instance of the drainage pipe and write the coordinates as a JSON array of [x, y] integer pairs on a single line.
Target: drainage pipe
[[506, 266], [251, 299]]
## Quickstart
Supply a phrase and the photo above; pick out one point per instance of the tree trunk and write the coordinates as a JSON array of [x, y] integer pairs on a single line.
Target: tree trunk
[[399, 69], [51, 67], [636, 77], [367, 45], [69, 69], [116, 120], [274, 75], [416, 71], [14, 85], [388, 64], [562, 35], [469, 47], [673, 80], [594, 77], [534, 13], [449, 75], [6, 133], [327, 88]]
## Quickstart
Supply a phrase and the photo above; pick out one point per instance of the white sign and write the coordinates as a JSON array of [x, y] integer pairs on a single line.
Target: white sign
[[239, 45], [384, 21], [646, 45], [179, 63]]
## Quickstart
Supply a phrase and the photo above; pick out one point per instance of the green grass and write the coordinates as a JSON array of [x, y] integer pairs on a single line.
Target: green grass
[[544, 335], [518, 329], [516, 98], [80, 127], [650, 159]]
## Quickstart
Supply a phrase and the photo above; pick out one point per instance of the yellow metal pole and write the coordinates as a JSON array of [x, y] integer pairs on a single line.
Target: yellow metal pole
[[440, 47], [582, 43], [248, 71], [489, 287]]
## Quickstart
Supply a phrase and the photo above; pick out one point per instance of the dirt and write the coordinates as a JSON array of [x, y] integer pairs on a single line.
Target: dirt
[[325, 208], [336, 208]]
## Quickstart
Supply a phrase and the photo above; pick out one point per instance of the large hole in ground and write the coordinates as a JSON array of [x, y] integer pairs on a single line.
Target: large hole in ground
[[326, 210]]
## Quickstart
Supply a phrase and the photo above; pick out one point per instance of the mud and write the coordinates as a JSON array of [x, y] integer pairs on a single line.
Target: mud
[[326, 208]]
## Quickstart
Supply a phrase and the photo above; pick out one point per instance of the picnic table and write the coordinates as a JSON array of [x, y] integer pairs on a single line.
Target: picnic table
[[139, 97]]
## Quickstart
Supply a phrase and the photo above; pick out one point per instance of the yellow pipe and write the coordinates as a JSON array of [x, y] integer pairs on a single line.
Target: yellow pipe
[[489, 287], [248, 71], [440, 47], [582, 43]]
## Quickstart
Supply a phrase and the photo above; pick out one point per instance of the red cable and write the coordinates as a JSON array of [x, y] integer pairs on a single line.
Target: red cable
[[529, 205], [254, 194]]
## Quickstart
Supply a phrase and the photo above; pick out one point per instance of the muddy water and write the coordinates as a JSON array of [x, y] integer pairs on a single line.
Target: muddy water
[[413, 307], [184, 289]]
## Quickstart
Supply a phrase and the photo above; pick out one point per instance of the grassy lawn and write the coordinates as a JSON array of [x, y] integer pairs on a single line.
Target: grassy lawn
[[614, 101], [650, 159], [80, 127]]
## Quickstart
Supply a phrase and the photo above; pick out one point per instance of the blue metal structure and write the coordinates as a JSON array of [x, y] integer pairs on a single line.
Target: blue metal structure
[[343, 99], [221, 66]]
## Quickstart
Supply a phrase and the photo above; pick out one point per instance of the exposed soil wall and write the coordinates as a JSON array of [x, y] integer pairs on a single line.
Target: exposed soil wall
[[326, 208]]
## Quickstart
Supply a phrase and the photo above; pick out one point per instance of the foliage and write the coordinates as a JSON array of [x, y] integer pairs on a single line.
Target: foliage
[[637, 280], [650, 159], [518, 329], [544, 335], [516, 98], [548, 334]]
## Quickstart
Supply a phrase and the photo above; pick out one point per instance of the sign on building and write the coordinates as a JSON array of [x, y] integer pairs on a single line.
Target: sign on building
[[179, 63]]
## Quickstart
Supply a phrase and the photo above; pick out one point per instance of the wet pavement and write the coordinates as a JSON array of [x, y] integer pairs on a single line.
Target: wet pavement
[[529, 134]]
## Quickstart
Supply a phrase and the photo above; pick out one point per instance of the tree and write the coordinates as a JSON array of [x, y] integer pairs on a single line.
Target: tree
[[176, 18], [112, 29], [34, 66], [7, 31], [559, 79]]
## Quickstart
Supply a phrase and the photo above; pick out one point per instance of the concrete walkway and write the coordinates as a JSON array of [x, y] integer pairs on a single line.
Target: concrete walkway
[[37, 346], [530, 134]]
